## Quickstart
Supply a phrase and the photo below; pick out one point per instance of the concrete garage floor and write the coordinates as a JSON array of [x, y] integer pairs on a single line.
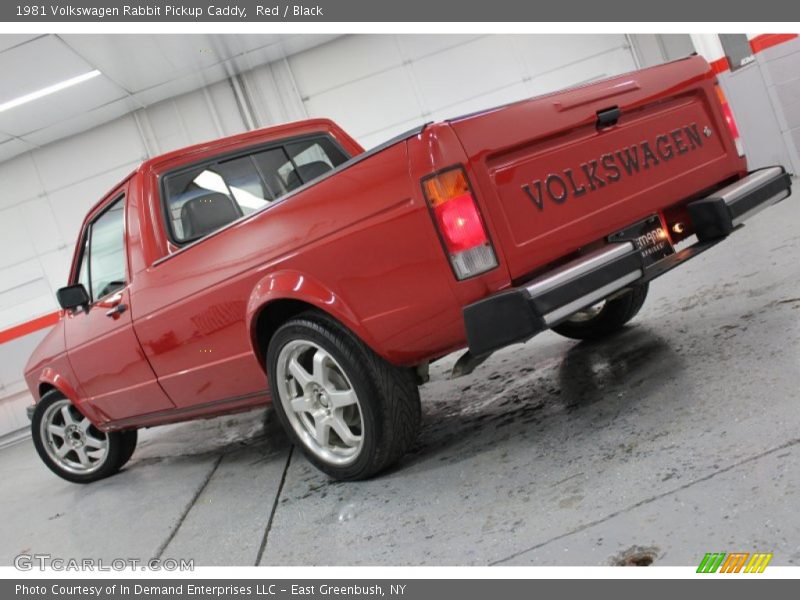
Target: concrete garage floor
[[681, 436]]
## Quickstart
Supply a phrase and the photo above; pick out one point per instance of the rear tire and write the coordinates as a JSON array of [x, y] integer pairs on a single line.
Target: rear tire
[[72, 447], [596, 323], [352, 413]]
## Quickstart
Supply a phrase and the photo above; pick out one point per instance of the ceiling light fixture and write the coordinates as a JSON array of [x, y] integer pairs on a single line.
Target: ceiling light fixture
[[52, 89]]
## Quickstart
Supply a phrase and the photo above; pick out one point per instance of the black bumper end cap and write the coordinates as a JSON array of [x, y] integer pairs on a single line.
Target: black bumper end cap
[[486, 332], [714, 218]]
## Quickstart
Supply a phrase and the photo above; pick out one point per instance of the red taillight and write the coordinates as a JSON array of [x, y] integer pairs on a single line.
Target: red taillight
[[731, 122], [459, 222]]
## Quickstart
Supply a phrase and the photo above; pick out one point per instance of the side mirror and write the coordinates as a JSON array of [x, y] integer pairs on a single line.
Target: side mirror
[[73, 296]]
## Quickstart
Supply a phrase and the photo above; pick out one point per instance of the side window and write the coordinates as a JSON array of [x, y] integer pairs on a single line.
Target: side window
[[313, 158], [102, 268], [107, 251], [202, 199]]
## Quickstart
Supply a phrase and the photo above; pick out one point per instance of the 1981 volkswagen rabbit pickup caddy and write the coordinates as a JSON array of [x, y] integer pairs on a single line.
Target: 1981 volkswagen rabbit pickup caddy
[[290, 265]]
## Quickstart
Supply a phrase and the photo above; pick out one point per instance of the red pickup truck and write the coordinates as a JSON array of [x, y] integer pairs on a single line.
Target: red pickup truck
[[289, 265]]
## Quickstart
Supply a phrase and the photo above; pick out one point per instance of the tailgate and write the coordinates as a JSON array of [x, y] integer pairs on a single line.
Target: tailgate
[[555, 176]]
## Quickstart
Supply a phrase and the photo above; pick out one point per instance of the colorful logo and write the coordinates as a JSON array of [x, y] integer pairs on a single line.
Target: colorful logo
[[736, 562]]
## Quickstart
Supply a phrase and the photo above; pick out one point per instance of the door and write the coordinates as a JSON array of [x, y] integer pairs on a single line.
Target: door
[[106, 356]]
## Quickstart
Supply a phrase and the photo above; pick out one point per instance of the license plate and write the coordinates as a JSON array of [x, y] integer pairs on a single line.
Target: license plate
[[650, 238]]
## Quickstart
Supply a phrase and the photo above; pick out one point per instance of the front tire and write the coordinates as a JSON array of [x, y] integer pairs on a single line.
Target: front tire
[[72, 447], [352, 413], [606, 318]]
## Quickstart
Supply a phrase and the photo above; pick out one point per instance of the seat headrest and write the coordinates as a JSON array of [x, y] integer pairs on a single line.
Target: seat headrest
[[305, 173], [313, 170], [204, 214]]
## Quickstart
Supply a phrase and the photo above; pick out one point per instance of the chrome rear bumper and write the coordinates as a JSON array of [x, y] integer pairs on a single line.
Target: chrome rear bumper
[[584, 281], [519, 314]]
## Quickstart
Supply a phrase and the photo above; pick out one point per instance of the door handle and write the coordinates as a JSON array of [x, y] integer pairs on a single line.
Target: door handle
[[117, 310]]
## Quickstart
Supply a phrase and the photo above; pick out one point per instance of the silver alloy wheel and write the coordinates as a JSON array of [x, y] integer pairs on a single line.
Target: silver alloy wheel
[[320, 402], [71, 441], [587, 314]]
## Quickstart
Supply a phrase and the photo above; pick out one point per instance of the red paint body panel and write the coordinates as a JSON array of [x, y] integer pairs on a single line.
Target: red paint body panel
[[360, 244]]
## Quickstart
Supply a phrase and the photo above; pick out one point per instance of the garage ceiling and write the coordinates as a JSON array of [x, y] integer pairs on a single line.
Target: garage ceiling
[[135, 71]]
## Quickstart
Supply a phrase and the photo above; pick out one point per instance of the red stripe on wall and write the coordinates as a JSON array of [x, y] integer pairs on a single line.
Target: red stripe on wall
[[768, 40], [757, 44], [720, 65], [29, 327]]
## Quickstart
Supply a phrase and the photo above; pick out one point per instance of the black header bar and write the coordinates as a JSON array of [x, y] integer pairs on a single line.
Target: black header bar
[[333, 11]]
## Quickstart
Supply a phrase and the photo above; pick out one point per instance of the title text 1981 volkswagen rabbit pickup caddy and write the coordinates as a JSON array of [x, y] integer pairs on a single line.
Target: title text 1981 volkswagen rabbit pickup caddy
[[289, 265]]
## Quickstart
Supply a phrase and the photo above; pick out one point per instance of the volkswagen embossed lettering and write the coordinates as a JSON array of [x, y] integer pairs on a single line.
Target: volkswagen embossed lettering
[[596, 173]]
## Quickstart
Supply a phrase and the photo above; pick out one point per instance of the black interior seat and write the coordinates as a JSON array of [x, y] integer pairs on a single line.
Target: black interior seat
[[204, 214], [305, 173], [313, 170]]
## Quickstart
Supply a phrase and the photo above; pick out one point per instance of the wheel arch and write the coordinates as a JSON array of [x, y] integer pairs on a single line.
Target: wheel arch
[[44, 388], [50, 380], [280, 296]]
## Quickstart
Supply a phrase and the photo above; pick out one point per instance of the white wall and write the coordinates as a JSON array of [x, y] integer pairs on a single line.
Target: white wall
[[780, 70], [374, 86], [378, 86]]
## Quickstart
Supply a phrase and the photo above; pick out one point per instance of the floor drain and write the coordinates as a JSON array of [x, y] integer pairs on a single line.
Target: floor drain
[[636, 556]]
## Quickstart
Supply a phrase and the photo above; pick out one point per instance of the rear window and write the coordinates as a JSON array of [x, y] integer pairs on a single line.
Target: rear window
[[201, 199]]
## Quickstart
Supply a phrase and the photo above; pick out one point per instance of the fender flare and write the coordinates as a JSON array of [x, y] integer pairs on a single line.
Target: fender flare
[[52, 378], [295, 285]]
